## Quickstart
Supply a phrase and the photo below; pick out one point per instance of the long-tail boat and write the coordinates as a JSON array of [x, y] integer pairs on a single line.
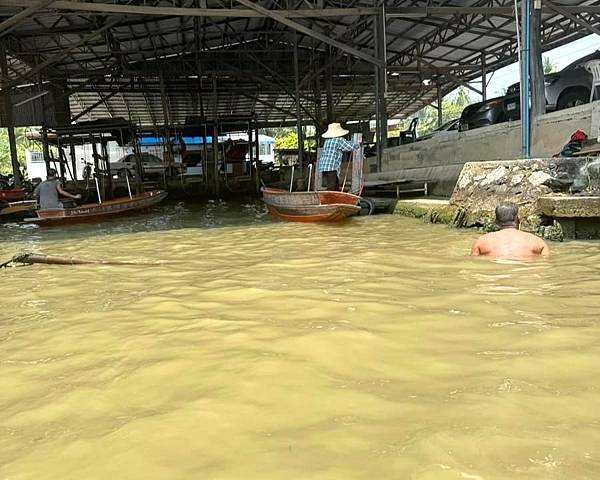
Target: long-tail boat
[[94, 212], [318, 205], [323, 206]]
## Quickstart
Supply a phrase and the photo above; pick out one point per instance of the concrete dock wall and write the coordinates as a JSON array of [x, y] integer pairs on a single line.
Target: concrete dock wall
[[439, 160]]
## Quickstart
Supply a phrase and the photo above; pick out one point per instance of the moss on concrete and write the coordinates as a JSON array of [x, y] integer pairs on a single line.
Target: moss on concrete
[[438, 211]]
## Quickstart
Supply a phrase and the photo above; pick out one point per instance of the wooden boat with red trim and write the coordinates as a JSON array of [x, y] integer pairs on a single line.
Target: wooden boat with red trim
[[94, 212], [320, 206], [13, 195]]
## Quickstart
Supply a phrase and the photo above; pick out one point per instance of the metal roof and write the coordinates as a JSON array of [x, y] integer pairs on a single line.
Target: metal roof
[[161, 61]]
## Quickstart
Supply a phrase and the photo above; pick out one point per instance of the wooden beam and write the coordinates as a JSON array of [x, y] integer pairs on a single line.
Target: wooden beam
[[7, 25], [566, 13], [311, 33]]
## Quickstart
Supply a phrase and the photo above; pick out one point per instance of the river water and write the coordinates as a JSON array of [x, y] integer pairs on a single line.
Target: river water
[[253, 349]]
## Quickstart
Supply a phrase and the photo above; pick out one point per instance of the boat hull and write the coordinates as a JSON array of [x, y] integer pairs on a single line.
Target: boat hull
[[96, 212], [308, 207], [13, 195]]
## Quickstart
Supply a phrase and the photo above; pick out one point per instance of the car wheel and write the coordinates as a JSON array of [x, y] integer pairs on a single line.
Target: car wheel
[[573, 97], [123, 172]]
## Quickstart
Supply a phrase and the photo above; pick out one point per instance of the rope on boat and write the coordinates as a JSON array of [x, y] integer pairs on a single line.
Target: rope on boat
[[31, 258]]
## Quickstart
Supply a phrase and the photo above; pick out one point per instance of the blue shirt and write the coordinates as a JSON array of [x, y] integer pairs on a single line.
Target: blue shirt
[[331, 155]]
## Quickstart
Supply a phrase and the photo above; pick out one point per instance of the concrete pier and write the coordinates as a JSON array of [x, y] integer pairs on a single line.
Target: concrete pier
[[440, 159]]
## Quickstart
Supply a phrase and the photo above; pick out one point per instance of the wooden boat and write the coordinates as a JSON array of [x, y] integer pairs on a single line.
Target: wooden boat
[[17, 210], [94, 212], [13, 195], [320, 206]]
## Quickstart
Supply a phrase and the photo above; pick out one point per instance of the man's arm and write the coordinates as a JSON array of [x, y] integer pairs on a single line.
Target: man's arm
[[348, 146], [475, 251], [65, 193]]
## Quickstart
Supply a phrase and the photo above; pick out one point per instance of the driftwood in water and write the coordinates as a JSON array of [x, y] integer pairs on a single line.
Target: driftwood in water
[[31, 258]]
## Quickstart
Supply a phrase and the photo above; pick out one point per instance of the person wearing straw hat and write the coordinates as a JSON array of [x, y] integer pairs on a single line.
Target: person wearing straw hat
[[330, 161], [47, 192]]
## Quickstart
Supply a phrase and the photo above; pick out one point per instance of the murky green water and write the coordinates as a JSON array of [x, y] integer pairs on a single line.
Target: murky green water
[[260, 350]]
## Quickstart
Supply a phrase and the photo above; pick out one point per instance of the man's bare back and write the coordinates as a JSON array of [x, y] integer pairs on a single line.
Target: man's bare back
[[510, 243]]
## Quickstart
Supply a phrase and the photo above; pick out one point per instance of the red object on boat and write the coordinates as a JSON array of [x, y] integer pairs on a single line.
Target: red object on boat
[[13, 195], [320, 206], [94, 212], [579, 136]]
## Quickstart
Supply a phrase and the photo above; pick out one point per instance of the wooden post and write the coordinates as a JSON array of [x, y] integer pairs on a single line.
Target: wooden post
[[139, 168], [440, 110], [61, 160], [108, 194], [538, 89], [215, 149], [298, 109], [318, 110], [96, 167], [483, 78], [251, 149], [8, 116], [73, 159], [380, 88], [329, 90], [257, 173], [46, 148]]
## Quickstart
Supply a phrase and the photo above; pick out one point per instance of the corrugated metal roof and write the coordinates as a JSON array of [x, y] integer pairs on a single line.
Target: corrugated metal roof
[[244, 66]]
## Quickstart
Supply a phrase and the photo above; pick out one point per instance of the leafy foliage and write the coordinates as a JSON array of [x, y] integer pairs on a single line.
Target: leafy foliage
[[287, 139], [428, 116], [22, 142], [549, 67]]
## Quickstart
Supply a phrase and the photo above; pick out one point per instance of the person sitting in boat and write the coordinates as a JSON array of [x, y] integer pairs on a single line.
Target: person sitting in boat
[[330, 161], [47, 192]]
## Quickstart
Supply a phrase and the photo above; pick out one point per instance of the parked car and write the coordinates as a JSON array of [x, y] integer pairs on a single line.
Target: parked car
[[568, 88], [451, 126], [151, 164], [486, 113]]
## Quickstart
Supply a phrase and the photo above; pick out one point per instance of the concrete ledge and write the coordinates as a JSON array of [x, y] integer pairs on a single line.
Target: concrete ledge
[[569, 206]]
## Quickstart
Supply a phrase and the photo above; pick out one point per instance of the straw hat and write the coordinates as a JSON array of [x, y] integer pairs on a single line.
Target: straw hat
[[334, 130]]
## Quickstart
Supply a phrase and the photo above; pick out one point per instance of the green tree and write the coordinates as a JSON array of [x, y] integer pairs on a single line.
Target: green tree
[[428, 116], [288, 140], [549, 67], [22, 142]]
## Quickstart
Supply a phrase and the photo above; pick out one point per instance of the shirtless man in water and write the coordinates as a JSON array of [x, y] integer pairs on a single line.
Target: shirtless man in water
[[509, 241]]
